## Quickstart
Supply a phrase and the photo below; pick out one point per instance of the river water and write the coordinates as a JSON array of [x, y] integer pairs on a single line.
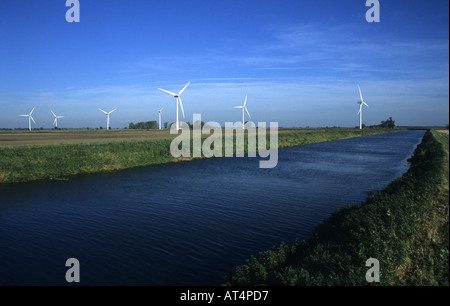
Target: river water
[[186, 223]]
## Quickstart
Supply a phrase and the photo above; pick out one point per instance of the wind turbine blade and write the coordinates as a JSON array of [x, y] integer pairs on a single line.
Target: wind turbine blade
[[23, 115], [32, 111], [103, 111], [184, 88], [239, 107], [53, 113], [248, 113], [32, 119], [245, 102], [169, 92], [181, 104], [365, 104], [56, 120], [59, 117], [112, 111], [360, 93]]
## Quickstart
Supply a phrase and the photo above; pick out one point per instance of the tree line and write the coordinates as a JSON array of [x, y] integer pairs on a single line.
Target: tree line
[[149, 125], [385, 124], [153, 125]]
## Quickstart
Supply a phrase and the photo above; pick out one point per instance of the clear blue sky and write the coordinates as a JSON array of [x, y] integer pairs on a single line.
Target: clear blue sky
[[299, 61]]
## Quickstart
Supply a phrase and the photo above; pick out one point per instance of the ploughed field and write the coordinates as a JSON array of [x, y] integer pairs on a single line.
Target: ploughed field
[[39, 137], [73, 137]]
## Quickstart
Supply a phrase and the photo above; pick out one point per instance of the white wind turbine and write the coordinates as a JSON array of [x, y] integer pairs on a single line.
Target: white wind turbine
[[361, 103], [159, 112], [29, 118], [177, 97], [107, 117], [243, 114], [55, 123]]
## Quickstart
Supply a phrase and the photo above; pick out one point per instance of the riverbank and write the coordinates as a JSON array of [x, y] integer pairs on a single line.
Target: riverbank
[[427, 262], [78, 154], [404, 226]]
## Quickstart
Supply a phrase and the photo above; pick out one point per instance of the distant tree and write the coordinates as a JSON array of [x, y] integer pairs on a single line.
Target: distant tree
[[446, 126], [166, 124], [389, 123], [149, 125]]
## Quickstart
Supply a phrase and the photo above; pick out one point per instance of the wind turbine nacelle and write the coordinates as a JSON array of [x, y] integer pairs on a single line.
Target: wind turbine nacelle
[[359, 102]]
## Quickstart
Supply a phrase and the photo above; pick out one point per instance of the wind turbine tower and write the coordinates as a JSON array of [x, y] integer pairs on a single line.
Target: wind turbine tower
[[29, 118], [244, 108], [107, 117], [159, 113], [55, 123], [178, 98], [361, 103]]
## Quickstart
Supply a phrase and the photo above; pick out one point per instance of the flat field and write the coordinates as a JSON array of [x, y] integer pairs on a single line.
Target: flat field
[[42, 138], [36, 155], [22, 138]]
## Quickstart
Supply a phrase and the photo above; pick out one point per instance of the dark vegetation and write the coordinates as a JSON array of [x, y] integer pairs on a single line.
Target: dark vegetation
[[385, 124], [390, 226], [149, 125]]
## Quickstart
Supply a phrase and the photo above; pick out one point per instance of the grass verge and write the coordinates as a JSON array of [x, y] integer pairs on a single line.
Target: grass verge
[[56, 161], [392, 226]]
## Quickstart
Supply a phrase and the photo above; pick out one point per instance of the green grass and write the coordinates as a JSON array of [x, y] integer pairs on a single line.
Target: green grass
[[427, 262], [56, 161], [20, 164], [387, 226], [294, 138]]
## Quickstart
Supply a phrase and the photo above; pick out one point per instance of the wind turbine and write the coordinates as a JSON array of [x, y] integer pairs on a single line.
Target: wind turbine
[[361, 103], [159, 112], [243, 114], [55, 123], [177, 97], [107, 117], [29, 118]]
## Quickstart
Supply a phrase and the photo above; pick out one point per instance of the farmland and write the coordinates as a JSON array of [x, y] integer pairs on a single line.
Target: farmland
[[55, 137], [19, 138], [37, 155]]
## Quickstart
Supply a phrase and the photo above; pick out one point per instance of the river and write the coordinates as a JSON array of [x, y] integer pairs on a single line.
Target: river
[[186, 223]]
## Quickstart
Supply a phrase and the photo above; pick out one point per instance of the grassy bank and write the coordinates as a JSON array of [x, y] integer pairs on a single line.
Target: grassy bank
[[427, 262], [404, 226], [289, 138], [56, 161]]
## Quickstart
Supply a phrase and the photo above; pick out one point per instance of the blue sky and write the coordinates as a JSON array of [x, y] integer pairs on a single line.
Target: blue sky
[[299, 61]]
